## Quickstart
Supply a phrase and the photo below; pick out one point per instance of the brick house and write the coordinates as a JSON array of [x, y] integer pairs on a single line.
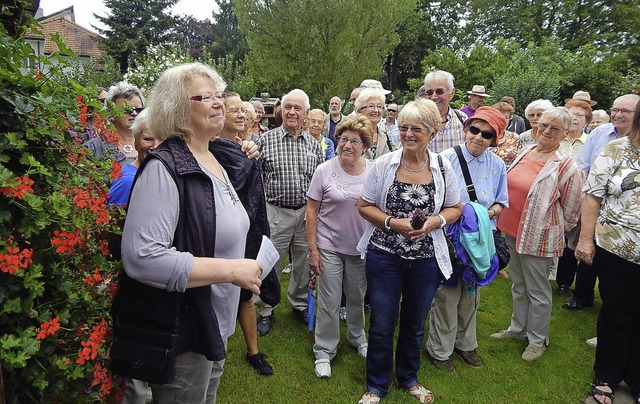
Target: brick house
[[79, 39]]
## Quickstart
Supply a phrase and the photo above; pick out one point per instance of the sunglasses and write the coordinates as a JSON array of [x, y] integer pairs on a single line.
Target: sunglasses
[[130, 111], [485, 134], [438, 91], [392, 110]]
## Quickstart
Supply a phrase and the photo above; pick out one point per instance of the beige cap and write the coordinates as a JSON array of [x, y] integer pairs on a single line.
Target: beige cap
[[582, 96], [478, 90], [370, 83]]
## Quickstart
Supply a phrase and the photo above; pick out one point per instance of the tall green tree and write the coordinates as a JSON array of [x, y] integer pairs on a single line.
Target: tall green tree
[[325, 47], [228, 40], [134, 25], [193, 35]]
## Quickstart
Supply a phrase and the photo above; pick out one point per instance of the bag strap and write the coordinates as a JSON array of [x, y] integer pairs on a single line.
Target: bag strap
[[471, 189], [443, 180]]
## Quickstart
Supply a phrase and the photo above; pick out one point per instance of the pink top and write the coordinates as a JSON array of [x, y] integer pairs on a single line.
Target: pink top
[[519, 181], [340, 226]]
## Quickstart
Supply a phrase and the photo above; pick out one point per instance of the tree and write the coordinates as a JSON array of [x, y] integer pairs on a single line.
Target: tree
[[228, 39], [193, 35], [325, 47], [133, 26]]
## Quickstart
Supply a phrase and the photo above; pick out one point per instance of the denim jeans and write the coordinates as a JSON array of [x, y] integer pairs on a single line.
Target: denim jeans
[[397, 286]]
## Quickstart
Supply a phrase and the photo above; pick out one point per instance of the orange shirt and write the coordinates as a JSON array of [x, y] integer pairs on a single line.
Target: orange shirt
[[519, 180]]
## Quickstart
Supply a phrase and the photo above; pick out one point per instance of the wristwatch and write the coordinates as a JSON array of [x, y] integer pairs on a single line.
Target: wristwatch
[[387, 222]]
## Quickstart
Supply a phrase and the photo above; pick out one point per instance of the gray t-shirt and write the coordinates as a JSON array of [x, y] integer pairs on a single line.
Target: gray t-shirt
[[147, 237]]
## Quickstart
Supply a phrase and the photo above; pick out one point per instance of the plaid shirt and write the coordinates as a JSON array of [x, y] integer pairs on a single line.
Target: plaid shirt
[[453, 133], [289, 164]]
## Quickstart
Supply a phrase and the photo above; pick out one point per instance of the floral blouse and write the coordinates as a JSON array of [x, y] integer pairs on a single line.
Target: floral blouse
[[402, 200], [615, 177], [509, 149]]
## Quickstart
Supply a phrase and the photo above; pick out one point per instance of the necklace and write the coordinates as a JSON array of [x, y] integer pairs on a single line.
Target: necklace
[[412, 170], [229, 190], [128, 148]]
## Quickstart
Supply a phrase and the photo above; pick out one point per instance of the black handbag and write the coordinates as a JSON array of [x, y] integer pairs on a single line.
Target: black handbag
[[270, 289], [502, 249]]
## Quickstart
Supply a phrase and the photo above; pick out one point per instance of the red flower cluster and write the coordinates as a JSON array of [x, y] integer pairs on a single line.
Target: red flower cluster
[[49, 328], [74, 155], [95, 199], [116, 170], [102, 377], [83, 111], [23, 188], [93, 279], [91, 346], [66, 241], [15, 259]]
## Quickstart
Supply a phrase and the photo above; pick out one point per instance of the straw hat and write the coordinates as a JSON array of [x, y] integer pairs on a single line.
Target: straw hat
[[370, 83], [479, 91], [582, 96]]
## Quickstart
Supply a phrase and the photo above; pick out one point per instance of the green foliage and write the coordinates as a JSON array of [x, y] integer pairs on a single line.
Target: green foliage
[[56, 282], [228, 40], [193, 35], [149, 67], [324, 47], [84, 72], [133, 26]]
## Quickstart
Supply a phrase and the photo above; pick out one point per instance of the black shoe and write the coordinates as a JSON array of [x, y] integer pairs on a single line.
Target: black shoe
[[302, 316], [265, 324], [573, 305], [564, 291], [260, 364], [445, 365]]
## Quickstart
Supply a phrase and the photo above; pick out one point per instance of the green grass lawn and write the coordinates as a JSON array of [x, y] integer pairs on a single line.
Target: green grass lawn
[[561, 375]]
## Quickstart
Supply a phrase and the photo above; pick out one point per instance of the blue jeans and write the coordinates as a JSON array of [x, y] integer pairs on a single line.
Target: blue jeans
[[397, 285]]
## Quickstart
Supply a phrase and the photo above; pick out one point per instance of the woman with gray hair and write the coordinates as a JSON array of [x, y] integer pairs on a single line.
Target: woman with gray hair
[[533, 112], [370, 103], [177, 300], [544, 202], [130, 100]]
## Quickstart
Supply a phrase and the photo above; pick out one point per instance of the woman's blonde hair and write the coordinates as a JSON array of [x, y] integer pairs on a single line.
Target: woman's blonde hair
[[169, 104], [423, 111], [360, 124]]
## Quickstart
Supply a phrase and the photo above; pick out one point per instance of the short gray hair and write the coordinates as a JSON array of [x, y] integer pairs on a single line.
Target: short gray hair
[[421, 110], [538, 104], [124, 90], [297, 91], [257, 104], [438, 75], [602, 114], [169, 106], [364, 96], [140, 125], [559, 113], [251, 111]]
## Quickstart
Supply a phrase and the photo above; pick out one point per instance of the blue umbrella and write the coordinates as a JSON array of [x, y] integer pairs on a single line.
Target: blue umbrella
[[311, 301]]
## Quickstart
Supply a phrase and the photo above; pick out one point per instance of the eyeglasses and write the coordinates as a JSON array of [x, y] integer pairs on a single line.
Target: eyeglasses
[[373, 107], [316, 122], [485, 134], [621, 111], [543, 126], [354, 141], [236, 111], [130, 111], [391, 110], [578, 114], [438, 91], [538, 115], [206, 98], [414, 129]]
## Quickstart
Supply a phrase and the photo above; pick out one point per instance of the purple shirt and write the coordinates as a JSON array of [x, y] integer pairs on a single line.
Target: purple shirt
[[468, 111], [340, 226]]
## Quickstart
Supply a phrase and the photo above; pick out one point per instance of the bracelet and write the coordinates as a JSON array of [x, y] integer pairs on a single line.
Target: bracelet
[[443, 221], [387, 222]]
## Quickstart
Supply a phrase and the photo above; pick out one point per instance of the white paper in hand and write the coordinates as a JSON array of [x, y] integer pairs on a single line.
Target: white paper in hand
[[267, 256]]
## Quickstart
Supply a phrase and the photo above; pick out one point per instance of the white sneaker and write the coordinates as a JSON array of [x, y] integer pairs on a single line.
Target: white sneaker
[[593, 342], [533, 352], [342, 314], [323, 368], [287, 269], [362, 349]]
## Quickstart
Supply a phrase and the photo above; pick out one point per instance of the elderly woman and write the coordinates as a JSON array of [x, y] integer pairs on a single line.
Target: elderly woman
[[599, 117], [567, 264], [316, 120], [144, 143], [257, 127], [544, 202], [610, 215], [333, 256], [178, 297], [251, 116], [235, 117], [452, 325], [533, 112], [370, 103], [129, 99], [508, 144], [405, 257]]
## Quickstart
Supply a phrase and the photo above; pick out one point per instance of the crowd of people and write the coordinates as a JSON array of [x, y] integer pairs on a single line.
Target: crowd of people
[[371, 205]]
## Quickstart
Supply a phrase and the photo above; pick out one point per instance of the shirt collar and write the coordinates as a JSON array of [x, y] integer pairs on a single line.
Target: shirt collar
[[469, 157]]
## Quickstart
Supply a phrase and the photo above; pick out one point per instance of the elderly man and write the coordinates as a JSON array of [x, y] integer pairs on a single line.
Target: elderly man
[[334, 117], [621, 119], [392, 126], [438, 87], [290, 157], [352, 99], [476, 100]]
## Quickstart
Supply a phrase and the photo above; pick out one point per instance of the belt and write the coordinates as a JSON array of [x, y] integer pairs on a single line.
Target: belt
[[296, 207]]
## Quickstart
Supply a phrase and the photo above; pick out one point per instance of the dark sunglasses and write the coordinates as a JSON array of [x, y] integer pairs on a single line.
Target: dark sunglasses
[[485, 134], [438, 91], [392, 110], [130, 111]]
